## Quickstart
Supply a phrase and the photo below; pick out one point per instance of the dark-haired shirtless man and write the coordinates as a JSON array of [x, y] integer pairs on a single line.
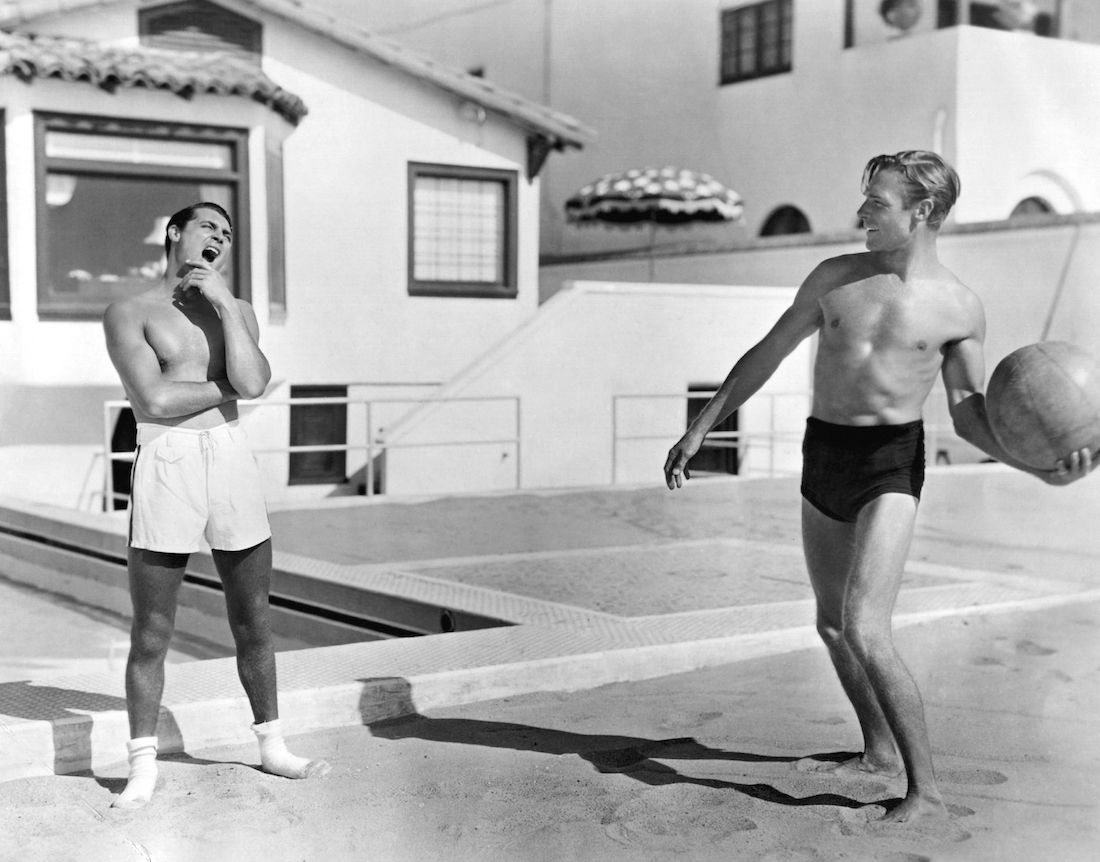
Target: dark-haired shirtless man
[[186, 351], [888, 320]]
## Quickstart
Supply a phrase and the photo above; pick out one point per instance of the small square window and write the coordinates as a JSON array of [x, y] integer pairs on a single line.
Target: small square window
[[462, 231], [756, 41]]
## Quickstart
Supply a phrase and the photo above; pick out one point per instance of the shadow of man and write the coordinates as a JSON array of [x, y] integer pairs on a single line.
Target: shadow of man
[[634, 757]]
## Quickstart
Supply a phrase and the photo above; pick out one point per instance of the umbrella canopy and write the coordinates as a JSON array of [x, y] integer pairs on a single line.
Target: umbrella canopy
[[655, 195]]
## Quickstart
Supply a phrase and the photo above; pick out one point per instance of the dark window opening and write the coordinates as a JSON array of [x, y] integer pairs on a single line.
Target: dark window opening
[[785, 220], [318, 425], [1032, 206], [198, 25], [716, 456], [993, 16], [123, 439], [755, 41], [105, 191]]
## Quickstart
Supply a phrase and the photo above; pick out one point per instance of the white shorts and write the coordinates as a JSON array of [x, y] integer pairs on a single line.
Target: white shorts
[[187, 484]]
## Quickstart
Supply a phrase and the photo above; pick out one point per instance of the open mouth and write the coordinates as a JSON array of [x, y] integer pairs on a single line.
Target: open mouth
[[210, 253]]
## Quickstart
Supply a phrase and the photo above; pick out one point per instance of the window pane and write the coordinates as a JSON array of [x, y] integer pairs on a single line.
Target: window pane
[[729, 45], [785, 38], [747, 42], [105, 235], [459, 230], [318, 425], [139, 151], [769, 37]]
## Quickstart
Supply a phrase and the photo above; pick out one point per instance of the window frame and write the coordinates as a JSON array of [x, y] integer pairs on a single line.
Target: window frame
[[508, 288], [5, 273], [335, 418], [237, 176], [729, 34]]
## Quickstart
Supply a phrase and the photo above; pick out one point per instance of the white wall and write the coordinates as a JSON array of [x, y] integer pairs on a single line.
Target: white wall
[[592, 342], [346, 220], [1016, 113], [1024, 274], [349, 317], [1029, 119]]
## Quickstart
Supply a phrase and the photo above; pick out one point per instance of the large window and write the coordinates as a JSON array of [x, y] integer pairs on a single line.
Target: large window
[[106, 189], [756, 41], [462, 231]]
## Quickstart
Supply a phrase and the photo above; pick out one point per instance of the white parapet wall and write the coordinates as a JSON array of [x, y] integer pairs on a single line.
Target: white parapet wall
[[593, 346]]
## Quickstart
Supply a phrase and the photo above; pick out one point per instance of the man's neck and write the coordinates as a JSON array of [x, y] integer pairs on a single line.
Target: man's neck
[[916, 260]]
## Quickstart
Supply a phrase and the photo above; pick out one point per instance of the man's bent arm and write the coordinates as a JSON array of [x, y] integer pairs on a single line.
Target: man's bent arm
[[963, 377], [246, 366], [139, 369], [753, 370]]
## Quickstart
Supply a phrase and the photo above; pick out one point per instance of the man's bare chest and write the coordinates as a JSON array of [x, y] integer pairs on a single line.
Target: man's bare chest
[[187, 341], [868, 318]]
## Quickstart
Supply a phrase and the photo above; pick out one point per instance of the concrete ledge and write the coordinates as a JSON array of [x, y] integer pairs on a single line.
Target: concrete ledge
[[502, 662], [78, 723]]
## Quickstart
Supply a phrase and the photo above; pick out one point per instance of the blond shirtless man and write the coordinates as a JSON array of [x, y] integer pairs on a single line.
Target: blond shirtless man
[[888, 321], [186, 351]]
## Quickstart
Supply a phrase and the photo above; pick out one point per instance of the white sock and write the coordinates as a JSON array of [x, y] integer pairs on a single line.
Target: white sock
[[278, 761], [142, 754]]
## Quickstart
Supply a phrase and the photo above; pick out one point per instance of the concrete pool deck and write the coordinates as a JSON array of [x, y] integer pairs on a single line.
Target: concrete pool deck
[[604, 587]]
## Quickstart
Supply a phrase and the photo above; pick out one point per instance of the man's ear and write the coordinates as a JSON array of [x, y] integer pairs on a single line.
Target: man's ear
[[924, 210]]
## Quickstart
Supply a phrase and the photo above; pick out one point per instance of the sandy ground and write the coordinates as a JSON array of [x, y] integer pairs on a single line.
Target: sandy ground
[[697, 766]]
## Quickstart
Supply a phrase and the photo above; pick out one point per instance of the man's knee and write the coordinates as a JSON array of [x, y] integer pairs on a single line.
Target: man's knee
[[251, 626], [867, 639], [830, 631], [150, 639]]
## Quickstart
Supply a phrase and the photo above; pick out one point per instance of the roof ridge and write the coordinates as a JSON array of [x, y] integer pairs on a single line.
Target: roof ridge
[[563, 129]]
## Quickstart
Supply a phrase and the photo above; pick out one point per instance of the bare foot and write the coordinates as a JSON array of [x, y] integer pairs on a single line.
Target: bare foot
[[915, 808], [855, 767]]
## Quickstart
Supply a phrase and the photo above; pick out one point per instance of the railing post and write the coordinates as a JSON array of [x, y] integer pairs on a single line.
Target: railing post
[[108, 461], [370, 453], [614, 439], [519, 439]]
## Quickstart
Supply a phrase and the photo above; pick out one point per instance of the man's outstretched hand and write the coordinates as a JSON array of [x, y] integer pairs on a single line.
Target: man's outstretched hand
[[676, 465]]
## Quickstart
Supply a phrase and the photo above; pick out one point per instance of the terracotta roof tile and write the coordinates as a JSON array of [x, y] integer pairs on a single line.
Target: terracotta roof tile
[[111, 67]]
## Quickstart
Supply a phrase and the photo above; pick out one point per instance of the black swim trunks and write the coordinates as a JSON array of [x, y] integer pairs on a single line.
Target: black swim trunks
[[845, 467]]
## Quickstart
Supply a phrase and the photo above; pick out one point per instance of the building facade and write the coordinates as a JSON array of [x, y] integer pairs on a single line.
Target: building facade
[[385, 206], [785, 100]]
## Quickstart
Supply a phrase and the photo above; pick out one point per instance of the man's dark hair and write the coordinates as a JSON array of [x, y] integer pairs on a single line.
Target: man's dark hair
[[187, 214]]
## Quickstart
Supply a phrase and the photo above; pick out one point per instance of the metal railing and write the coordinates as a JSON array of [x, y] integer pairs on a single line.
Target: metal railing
[[940, 439], [742, 441], [373, 446]]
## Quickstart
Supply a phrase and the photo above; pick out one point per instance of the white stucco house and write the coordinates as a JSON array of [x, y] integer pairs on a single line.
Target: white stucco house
[[785, 100], [385, 208]]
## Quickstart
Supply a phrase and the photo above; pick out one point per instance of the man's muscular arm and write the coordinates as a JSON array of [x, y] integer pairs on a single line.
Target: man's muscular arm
[[138, 367], [246, 366], [964, 377], [757, 365]]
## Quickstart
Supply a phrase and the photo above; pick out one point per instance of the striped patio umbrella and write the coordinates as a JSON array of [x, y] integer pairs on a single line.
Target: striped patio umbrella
[[666, 196]]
